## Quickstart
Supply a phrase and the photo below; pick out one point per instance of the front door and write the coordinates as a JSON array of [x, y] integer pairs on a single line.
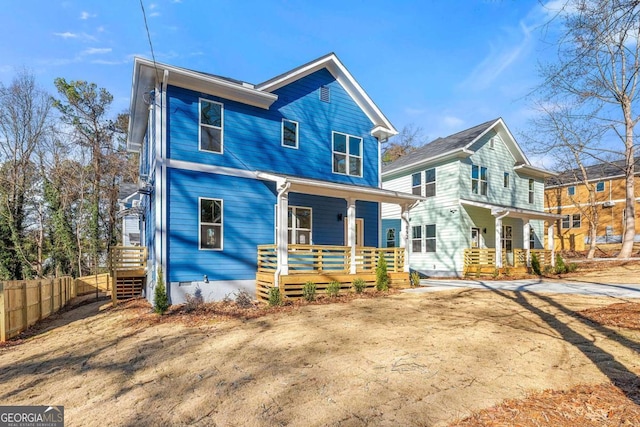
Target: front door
[[359, 232], [475, 237]]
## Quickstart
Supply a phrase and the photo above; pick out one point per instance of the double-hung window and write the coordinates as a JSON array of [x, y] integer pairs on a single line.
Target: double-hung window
[[391, 237], [416, 183], [571, 191], [479, 183], [347, 154], [211, 221], [211, 120], [505, 180], [416, 238], [572, 221], [289, 133], [299, 225], [531, 191], [430, 238], [600, 187], [430, 182]]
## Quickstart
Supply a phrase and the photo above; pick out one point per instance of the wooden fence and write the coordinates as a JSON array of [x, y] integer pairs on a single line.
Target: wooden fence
[[88, 284], [25, 302]]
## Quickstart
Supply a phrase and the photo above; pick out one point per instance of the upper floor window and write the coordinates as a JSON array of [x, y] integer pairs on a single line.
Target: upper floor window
[[479, 180], [211, 222], [505, 180], [416, 183], [531, 191], [211, 120], [347, 154], [430, 182], [600, 187], [571, 191], [289, 133]]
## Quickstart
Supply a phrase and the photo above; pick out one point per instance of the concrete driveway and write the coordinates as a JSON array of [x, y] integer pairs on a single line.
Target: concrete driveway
[[533, 285]]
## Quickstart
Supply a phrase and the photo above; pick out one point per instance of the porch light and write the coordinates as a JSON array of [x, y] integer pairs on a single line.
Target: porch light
[[339, 217], [484, 230]]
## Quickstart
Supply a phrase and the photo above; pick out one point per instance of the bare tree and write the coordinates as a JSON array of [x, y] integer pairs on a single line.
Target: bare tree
[[410, 138], [597, 71]]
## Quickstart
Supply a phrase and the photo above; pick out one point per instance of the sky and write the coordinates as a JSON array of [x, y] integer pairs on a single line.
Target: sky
[[441, 65]]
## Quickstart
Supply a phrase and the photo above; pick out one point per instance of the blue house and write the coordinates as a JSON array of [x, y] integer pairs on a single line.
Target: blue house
[[225, 163]]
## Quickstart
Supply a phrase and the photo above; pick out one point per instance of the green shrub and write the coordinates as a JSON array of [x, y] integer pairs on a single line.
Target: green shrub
[[572, 267], [333, 289], [382, 279], [160, 298], [560, 265], [414, 279], [309, 291], [274, 299], [358, 285], [535, 264]]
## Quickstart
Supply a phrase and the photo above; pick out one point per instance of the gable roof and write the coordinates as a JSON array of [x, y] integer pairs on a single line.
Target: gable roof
[[147, 75], [595, 172], [458, 145]]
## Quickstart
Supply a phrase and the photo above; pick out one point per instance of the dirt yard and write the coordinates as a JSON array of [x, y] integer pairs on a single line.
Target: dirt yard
[[404, 359]]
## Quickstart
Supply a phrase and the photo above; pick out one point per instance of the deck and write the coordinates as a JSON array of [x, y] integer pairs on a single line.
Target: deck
[[324, 264], [478, 262], [128, 271]]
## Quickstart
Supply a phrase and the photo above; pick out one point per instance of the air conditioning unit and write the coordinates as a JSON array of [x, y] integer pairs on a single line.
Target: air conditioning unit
[[608, 204]]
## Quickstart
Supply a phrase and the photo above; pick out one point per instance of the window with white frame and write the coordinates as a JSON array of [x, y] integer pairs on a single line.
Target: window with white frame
[[479, 183], [430, 182], [531, 191], [210, 224], [566, 221], [600, 187], [430, 238], [576, 221], [571, 190], [505, 180], [391, 237], [507, 238], [416, 183], [532, 239], [347, 154], [416, 238], [299, 225], [289, 133], [211, 121]]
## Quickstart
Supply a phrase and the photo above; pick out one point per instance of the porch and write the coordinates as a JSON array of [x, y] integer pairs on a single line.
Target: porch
[[479, 261], [128, 265], [322, 264]]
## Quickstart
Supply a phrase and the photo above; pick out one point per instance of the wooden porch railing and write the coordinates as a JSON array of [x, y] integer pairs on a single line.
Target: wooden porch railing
[[320, 258], [487, 256], [128, 258]]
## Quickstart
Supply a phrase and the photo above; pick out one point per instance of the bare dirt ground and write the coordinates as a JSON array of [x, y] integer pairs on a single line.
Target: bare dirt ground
[[464, 357]]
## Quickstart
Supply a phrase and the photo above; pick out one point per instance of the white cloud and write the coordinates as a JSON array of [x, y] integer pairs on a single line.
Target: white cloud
[[154, 14], [453, 122], [66, 35], [153, 6], [96, 50], [86, 15], [106, 62]]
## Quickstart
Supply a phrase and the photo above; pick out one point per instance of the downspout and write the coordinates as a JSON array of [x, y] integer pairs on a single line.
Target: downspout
[[163, 169], [283, 188]]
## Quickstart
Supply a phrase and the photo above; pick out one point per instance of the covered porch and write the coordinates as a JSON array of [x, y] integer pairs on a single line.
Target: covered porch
[[289, 263], [504, 256]]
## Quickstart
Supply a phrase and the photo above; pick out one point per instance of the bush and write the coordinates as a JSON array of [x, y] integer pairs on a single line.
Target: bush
[[160, 298], [244, 299], [414, 279], [535, 264], [274, 299], [309, 291], [193, 302], [572, 267], [358, 285], [333, 289], [382, 279], [561, 268]]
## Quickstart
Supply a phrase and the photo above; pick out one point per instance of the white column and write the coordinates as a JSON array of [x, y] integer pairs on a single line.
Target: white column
[[404, 235], [526, 235], [551, 244], [282, 252], [498, 242], [351, 232]]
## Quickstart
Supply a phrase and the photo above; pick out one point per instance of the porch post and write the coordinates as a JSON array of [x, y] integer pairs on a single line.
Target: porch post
[[282, 253], [526, 236], [551, 244], [404, 235], [351, 233], [498, 242]]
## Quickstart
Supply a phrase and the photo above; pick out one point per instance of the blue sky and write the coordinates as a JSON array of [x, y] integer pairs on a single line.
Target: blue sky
[[443, 65]]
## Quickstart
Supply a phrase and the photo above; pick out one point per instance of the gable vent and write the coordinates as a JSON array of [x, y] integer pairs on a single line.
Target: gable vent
[[325, 95]]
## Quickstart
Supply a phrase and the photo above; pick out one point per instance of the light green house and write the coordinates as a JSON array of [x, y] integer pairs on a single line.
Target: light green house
[[484, 203]]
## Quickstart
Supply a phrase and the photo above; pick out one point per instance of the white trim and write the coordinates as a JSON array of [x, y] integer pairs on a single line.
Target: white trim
[[297, 134], [347, 154], [219, 170], [164, 261], [200, 224], [200, 124], [512, 211], [578, 205], [453, 154]]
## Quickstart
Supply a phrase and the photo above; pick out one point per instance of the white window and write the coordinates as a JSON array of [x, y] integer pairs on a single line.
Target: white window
[[299, 225], [531, 191], [507, 238], [430, 182], [391, 237], [505, 180], [416, 238], [347, 154], [532, 239], [211, 121], [289, 133], [430, 238], [416, 183], [210, 224], [571, 191], [600, 187], [479, 180], [576, 220]]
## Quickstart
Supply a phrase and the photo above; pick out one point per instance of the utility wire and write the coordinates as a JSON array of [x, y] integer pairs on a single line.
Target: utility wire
[[146, 26]]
